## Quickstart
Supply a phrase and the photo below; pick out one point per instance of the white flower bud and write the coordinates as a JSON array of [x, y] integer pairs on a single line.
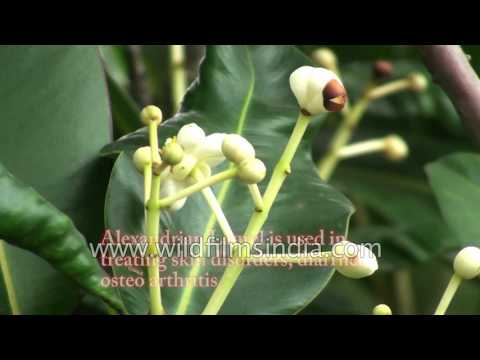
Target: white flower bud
[[382, 309], [317, 90], [151, 114], [210, 151], [396, 148], [467, 263], [252, 171], [181, 171], [354, 261], [237, 149], [142, 158], [190, 136], [170, 187], [172, 152], [418, 82], [325, 58]]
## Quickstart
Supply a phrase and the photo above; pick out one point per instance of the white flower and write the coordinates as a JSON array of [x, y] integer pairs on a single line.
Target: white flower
[[354, 261], [200, 150], [317, 90], [467, 263]]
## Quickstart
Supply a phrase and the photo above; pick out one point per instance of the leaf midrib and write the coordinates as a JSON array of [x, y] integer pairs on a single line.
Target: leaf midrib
[[8, 280], [241, 125]]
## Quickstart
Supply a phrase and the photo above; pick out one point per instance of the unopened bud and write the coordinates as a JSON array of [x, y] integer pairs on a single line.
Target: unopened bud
[[467, 263], [382, 69], [237, 149], [142, 158], [396, 148], [181, 171], [359, 261], [172, 152], [151, 114], [252, 171], [418, 82], [325, 58], [317, 90], [382, 309]]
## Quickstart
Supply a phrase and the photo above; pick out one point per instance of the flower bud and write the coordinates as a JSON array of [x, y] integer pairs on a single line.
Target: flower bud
[[172, 152], [382, 309], [467, 263], [382, 69], [358, 260], [237, 149], [142, 158], [418, 82], [317, 90], [181, 171], [150, 114], [190, 136], [396, 148], [325, 58], [252, 171]]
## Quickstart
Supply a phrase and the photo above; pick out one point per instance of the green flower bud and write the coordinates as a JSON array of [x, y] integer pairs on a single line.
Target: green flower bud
[[172, 152], [237, 149], [418, 82], [382, 309], [252, 171], [396, 148], [150, 114], [142, 158], [467, 263]]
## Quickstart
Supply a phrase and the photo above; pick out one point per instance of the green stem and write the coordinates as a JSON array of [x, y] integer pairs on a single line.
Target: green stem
[[404, 291], [342, 137], [258, 219], [7, 276], [448, 295], [256, 196], [205, 183], [226, 229], [153, 228], [178, 74]]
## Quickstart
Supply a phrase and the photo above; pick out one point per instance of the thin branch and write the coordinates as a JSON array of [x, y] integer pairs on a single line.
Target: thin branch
[[451, 69]]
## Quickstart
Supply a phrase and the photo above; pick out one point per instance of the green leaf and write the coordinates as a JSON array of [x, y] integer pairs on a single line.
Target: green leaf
[[241, 89], [30, 222], [126, 113], [55, 119], [455, 180]]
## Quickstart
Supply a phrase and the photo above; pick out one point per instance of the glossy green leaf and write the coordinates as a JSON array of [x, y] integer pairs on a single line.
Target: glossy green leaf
[[55, 119], [455, 180], [242, 89], [126, 113]]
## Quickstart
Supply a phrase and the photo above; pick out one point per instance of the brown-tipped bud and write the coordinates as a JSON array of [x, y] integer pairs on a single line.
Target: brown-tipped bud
[[151, 114], [317, 90], [335, 96], [382, 69]]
